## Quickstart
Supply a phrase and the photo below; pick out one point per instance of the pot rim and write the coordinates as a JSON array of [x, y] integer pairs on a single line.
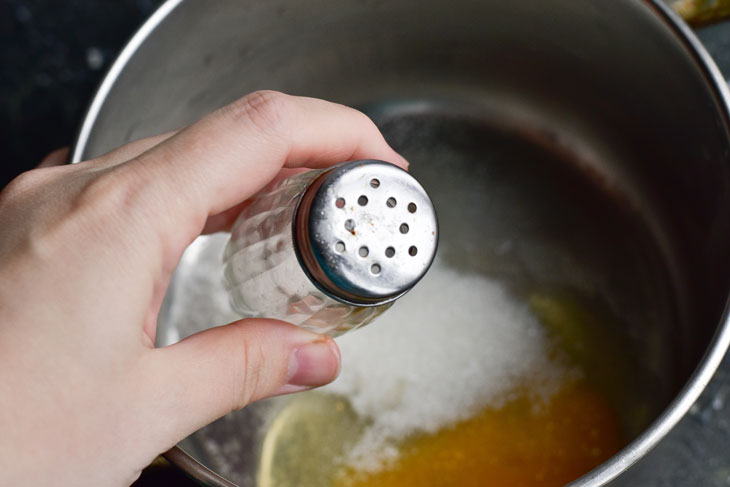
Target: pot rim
[[678, 407]]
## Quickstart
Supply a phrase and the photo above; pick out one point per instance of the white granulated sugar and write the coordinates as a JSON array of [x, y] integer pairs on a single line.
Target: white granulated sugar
[[454, 345]]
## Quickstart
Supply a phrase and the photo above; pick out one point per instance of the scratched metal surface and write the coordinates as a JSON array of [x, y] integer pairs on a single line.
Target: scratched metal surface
[[697, 451]]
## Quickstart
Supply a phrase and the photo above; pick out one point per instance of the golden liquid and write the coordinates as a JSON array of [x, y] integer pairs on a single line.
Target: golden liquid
[[521, 443], [515, 445], [528, 441]]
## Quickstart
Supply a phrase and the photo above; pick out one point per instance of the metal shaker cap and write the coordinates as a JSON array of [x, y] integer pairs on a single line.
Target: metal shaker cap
[[365, 232]]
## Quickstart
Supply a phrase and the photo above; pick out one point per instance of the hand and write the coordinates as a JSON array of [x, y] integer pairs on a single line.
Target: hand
[[86, 254]]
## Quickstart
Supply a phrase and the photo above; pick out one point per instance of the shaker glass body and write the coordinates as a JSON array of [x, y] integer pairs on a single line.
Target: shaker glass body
[[264, 276]]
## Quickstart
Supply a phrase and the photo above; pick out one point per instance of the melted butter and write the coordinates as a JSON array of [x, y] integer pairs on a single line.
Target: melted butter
[[518, 444], [522, 443], [526, 442]]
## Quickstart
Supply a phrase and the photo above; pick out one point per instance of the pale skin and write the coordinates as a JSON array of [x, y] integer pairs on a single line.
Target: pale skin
[[86, 254]]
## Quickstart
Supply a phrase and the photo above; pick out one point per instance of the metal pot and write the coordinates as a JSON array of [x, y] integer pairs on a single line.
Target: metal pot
[[599, 133]]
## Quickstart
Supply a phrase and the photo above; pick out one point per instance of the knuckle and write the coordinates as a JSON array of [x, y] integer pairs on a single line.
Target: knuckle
[[30, 199], [111, 190], [367, 125], [100, 198], [267, 110], [69, 204], [249, 375], [253, 372], [21, 185], [96, 199]]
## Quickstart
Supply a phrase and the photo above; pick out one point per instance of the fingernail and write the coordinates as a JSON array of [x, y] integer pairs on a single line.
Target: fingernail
[[314, 364]]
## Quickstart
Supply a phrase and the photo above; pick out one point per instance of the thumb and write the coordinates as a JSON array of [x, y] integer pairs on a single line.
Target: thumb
[[223, 369]]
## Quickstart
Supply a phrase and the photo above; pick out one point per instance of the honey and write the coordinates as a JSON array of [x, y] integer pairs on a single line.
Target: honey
[[522, 443]]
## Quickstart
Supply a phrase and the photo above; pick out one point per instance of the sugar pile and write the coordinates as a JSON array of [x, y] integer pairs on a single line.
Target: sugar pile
[[456, 344]]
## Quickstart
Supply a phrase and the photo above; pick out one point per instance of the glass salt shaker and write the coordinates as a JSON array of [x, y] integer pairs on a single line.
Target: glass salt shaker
[[330, 250]]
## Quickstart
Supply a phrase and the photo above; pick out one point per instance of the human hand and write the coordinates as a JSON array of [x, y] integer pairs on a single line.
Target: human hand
[[86, 255]]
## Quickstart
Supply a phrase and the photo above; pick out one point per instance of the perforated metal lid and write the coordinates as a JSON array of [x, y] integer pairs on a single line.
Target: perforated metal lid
[[366, 232]]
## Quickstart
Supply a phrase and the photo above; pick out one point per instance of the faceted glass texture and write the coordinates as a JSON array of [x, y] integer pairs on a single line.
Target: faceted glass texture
[[263, 275]]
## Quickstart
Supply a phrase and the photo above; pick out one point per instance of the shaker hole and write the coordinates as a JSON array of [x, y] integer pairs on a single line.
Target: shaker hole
[[412, 207], [340, 202], [349, 225], [404, 228], [340, 246], [374, 183], [363, 252], [362, 200], [391, 202], [375, 269], [389, 252], [412, 251]]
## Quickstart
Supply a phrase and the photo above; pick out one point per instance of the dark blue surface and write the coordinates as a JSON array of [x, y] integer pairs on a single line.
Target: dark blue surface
[[53, 55]]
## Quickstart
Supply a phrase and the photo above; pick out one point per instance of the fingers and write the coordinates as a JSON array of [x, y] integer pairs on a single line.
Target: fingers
[[55, 158], [222, 369], [223, 221], [229, 155], [130, 151]]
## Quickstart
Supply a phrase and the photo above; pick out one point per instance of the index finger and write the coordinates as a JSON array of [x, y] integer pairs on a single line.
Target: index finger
[[228, 156]]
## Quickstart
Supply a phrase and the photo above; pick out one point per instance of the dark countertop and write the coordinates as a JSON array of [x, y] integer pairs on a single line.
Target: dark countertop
[[54, 54]]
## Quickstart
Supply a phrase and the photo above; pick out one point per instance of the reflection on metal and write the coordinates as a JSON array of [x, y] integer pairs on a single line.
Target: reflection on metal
[[701, 11], [374, 52]]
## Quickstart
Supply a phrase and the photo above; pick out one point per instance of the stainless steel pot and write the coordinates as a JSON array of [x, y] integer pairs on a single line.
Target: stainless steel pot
[[599, 132]]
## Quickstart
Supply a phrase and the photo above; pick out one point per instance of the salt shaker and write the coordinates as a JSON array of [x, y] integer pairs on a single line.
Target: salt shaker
[[329, 250]]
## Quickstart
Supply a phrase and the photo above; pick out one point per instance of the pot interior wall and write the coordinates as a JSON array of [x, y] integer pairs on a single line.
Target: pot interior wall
[[572, 150]]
